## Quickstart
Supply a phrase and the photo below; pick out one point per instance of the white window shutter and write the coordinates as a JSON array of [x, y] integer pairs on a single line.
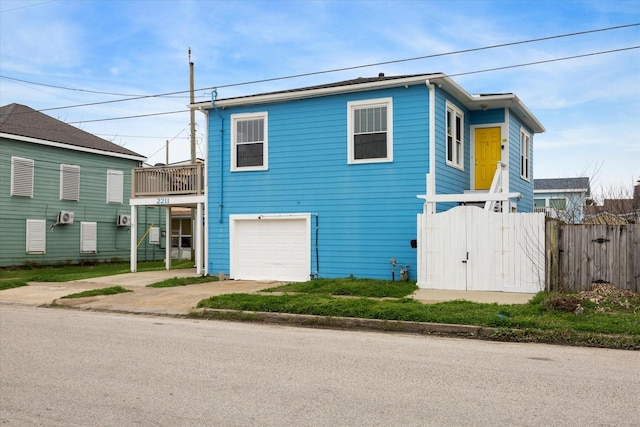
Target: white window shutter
[[36, 236], [69, 182], [115, 186], [154, 236], [22, 171], [88, 237]]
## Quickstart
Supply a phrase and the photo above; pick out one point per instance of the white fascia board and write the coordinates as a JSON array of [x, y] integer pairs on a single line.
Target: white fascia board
[[507, 100], [313, 93], [469, 197], [561, 190], [71, 147]]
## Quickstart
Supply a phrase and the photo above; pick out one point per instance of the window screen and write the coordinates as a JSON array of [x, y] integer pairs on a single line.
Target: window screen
[[370, 133], [249, 142]]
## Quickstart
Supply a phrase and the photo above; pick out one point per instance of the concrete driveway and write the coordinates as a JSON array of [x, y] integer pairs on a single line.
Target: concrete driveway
[[182, 299]]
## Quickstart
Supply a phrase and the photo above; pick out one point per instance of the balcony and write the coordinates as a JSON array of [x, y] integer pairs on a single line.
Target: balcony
[[184, 180]]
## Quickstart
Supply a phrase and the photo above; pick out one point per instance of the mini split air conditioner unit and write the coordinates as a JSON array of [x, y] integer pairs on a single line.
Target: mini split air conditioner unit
[[124, 221], [65, 217]]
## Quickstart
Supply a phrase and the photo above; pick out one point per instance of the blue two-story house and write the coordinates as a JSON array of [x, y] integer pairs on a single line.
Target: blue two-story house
[[323, 181]]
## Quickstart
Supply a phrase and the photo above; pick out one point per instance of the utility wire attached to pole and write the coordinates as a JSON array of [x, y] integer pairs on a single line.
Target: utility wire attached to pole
[[192, 113]]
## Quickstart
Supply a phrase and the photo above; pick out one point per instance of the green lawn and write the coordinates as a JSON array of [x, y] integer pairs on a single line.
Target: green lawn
[[609, 323], [183, 281], [15, 277], [95, 292]]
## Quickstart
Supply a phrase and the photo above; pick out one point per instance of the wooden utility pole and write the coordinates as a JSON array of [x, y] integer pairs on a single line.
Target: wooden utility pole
[[192, 112], [192, 116]]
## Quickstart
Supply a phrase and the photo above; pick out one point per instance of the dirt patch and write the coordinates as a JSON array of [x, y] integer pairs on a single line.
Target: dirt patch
[[608, 297], [603, 297]]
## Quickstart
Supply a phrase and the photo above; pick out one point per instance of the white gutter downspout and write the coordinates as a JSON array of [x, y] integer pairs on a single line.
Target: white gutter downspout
[[429, 208]]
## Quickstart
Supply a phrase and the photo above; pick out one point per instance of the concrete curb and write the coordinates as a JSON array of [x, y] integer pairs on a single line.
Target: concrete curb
[[347, 323]]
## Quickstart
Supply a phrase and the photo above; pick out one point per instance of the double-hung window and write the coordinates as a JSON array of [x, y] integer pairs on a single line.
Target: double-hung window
[[525, 149], [370, 131], [455, 137], [69, 182], [249, 142], [22, 177]]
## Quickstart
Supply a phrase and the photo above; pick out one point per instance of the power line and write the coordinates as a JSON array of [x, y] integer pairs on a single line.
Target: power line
[[506, 67], [355, 67], [76, 89], [127, 117], [546, 61], [28, 5], [65, 88], [134, 98]]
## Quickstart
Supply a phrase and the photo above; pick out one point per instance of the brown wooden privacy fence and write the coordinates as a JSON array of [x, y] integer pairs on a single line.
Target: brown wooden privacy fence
[[578, 255]]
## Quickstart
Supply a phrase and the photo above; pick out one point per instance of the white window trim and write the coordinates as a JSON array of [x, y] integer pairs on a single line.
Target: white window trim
[[13, 190], [88, 237], [525, 173], [115, 190], [379, 102], [457, 163], [69, 168], [265, 144], [36, 236]]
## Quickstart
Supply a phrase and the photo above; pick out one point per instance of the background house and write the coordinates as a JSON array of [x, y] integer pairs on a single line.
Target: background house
[[620, 210], [323, 180], [562, 198], [64, 195]]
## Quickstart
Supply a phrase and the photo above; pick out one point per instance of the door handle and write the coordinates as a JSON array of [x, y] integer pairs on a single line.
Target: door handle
[[467, 259]]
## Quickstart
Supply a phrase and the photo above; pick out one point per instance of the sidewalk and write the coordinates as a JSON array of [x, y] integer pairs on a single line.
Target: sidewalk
[[180, 300]]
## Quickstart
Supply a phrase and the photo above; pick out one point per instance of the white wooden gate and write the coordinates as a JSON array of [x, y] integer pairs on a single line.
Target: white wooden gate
[[468, 248]]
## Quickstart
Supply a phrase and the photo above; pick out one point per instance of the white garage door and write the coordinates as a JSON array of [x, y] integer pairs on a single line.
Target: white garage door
[[270, 247]]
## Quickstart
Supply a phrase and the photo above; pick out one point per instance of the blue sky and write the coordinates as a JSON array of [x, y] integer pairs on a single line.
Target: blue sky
[[590, 106]]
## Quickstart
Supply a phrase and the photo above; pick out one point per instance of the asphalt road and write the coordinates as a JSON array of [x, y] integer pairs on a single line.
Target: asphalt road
[[66, 367]]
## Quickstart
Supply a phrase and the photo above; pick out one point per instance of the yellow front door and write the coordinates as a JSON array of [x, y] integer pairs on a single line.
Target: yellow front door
[[488, 153]]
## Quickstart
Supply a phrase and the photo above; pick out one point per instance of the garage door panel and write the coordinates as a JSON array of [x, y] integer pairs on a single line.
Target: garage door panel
[[271, 248]]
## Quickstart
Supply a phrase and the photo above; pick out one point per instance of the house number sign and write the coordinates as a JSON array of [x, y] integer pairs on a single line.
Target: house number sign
[[162, 201]]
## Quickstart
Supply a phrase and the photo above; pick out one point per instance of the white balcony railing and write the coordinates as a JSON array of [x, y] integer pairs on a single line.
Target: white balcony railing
[[168, 180]]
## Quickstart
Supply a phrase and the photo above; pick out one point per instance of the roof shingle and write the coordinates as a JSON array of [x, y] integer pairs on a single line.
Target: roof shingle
[[20, 120]]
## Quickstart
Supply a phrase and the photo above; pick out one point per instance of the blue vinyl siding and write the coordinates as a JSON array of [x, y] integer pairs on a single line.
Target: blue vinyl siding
[[366, 213], [494, 116], [517, 183], [450, 180]]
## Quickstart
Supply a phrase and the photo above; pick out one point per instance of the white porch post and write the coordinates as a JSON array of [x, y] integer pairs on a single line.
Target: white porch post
[[167, 240], [134, 237], [198, 237]]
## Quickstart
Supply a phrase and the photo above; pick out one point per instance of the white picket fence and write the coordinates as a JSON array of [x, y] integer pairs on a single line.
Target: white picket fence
[[468, 248]]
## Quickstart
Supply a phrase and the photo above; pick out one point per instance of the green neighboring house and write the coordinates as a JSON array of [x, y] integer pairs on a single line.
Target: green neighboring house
[[64, 195]]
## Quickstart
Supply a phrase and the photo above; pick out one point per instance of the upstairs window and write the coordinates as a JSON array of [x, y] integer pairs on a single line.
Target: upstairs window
[[455, 137], [370, 129], [249, 142], [69, 182], [22, 177], [115, 185], [525, 148]]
